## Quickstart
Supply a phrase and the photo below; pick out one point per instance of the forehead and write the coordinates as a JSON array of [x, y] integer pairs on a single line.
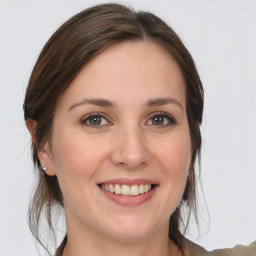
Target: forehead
[[126, 70]]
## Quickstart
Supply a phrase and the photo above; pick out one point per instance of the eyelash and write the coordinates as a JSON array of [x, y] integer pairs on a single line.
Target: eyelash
[[171, 119], [94, 115], [85, 120]]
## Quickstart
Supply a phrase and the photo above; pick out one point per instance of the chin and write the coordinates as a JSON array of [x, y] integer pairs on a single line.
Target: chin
[[131, 229]]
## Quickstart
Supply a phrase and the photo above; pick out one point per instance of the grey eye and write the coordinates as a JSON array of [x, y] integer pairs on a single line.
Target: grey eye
[[158, 120], [95, 120], [161, 120]]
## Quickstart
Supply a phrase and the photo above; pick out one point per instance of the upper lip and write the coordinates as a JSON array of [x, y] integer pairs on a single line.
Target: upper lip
[[124, 181]]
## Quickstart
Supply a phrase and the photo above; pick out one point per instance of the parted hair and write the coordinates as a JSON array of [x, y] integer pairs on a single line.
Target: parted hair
[[68, 50]]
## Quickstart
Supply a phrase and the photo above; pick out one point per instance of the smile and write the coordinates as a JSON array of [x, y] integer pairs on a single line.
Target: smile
[[127, 190]]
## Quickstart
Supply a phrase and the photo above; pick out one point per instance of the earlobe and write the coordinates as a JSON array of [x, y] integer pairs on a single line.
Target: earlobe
[[45, 157], [43, 152]]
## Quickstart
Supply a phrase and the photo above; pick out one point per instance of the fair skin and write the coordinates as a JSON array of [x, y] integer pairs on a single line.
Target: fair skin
[[122, 121]]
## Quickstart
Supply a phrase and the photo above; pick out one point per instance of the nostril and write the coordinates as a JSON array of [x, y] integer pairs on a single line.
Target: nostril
[[130, 154]]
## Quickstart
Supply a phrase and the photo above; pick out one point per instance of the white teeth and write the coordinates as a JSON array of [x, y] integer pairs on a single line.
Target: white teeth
[[111, 188], [141, 189], [118, 190], [134, 190], [127, 190]]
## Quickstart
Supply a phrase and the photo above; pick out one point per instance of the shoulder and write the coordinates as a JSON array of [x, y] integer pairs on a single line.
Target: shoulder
[[192, 249]]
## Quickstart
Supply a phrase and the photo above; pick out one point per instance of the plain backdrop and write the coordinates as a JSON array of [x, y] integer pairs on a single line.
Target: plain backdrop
[[221, 36]]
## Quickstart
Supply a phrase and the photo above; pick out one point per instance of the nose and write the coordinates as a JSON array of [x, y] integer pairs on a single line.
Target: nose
[[129, 149]]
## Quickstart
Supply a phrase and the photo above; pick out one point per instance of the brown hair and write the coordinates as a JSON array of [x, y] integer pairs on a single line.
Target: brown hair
[[75, 43]]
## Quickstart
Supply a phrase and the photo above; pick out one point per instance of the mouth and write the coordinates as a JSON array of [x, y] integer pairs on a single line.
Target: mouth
[[129, 192], [127, 189]]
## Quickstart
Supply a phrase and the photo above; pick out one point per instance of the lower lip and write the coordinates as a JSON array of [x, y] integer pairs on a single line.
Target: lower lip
[[130, 200]]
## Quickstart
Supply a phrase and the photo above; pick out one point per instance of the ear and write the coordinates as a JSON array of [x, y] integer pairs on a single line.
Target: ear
[[43, 151], [45, 157]]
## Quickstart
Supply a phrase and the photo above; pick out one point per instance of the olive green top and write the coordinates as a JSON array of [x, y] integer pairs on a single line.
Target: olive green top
[[192, 249]]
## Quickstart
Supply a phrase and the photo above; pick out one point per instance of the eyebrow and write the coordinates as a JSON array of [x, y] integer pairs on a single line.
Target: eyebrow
[[97, 102], [106, 103], [163, 101]]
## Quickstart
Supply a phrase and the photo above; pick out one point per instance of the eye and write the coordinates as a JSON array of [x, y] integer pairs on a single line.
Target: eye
[[161, 119], [95, 120]]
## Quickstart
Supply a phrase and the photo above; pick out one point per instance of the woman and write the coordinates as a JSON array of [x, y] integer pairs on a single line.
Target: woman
[[114, 106]]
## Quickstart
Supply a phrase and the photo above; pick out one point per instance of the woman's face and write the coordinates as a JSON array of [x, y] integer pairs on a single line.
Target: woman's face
[[122, 126]]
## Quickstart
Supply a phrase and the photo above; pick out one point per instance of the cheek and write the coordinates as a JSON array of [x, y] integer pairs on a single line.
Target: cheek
[[75, 154], [174, 154], [174, 157], [76, 160]]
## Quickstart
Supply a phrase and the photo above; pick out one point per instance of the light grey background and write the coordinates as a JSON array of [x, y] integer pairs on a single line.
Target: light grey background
[[221, 36]]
